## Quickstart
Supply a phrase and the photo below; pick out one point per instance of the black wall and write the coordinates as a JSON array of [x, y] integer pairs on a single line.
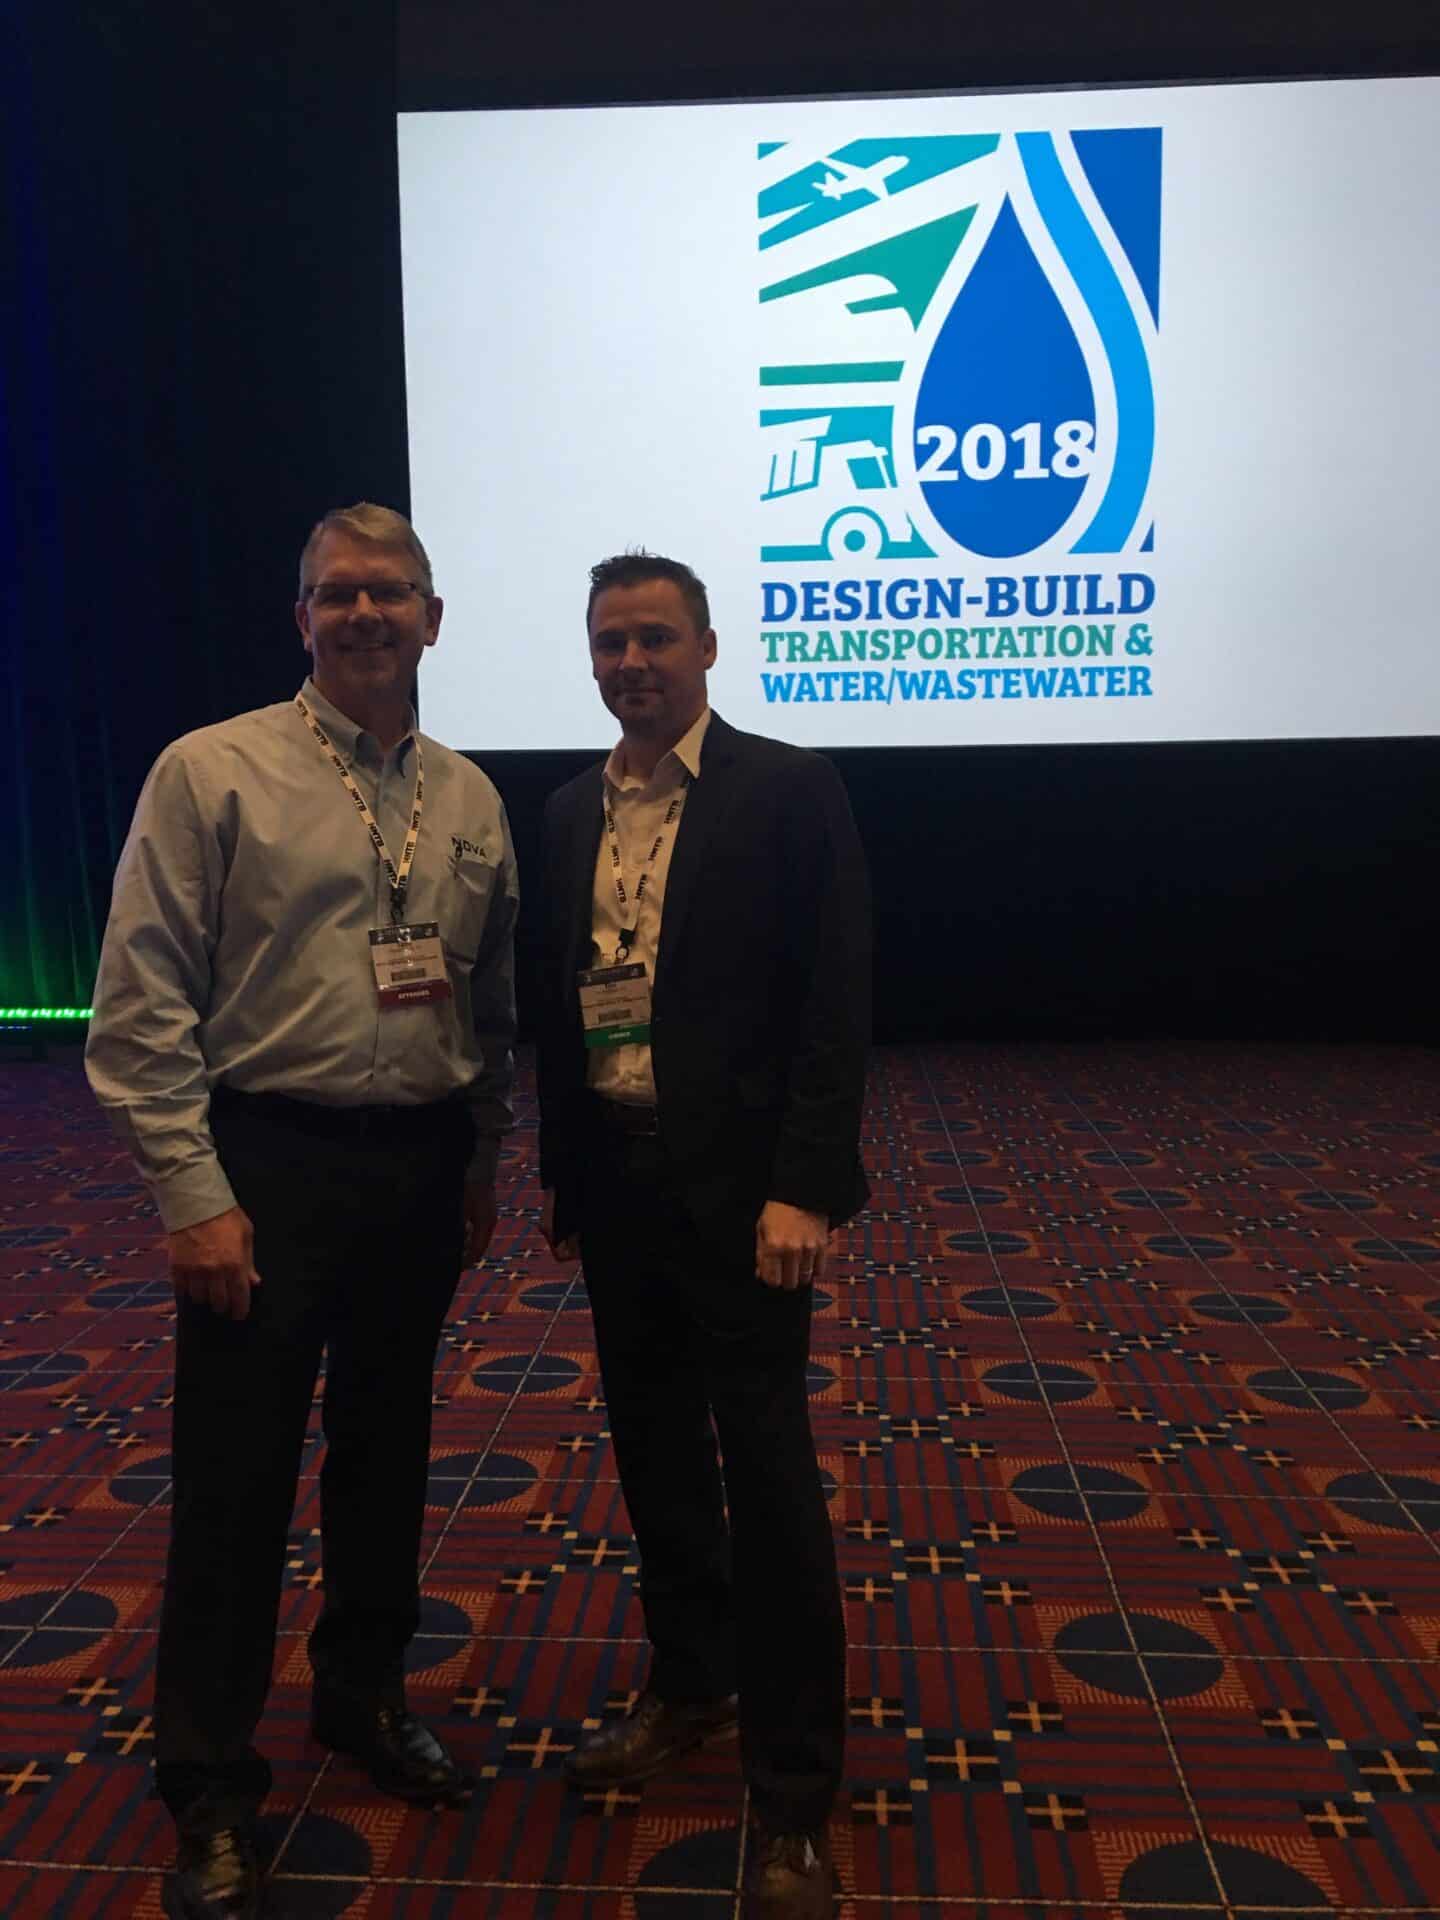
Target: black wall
[[202, 220]]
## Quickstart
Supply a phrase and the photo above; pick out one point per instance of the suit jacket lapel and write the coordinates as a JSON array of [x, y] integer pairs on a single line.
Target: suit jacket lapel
[[584, 847], [706, 804]]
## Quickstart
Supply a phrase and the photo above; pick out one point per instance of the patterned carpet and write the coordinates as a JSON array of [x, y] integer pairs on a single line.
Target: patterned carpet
[[1129, 1389]]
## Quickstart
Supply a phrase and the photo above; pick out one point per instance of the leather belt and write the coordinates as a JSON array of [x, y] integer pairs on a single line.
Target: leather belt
[[426, 1120]]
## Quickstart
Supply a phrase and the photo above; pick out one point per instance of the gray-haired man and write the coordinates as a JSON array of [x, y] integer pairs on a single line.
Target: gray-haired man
[[303, 1027]]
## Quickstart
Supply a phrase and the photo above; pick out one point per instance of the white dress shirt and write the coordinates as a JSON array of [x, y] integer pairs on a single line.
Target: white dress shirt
[[237, 948], [639, 808]]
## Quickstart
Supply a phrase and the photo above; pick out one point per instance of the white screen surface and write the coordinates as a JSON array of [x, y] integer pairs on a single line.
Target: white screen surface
[[1066, 417]]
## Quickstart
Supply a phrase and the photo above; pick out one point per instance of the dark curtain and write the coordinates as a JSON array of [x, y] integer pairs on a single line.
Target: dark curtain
[[202, 351]]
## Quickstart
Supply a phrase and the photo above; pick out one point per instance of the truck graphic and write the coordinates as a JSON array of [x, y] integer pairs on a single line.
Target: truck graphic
[[832, 497]]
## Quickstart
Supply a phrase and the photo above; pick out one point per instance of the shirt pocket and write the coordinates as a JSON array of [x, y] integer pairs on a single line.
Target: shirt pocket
[[470, 890]]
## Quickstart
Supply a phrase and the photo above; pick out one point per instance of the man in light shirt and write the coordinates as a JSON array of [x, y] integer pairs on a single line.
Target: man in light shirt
[[701, 1061], [303, 1028]]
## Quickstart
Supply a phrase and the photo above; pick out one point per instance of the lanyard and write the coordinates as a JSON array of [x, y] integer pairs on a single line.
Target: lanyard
[[399, 877], [630, 910]]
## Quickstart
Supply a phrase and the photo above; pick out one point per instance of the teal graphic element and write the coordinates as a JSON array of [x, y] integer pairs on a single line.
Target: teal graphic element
[[830, 488], [858, 175], [832, 373], [914, 263]]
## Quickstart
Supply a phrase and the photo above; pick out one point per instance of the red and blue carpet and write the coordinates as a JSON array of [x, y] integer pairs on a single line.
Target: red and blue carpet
[[1128, 1386]]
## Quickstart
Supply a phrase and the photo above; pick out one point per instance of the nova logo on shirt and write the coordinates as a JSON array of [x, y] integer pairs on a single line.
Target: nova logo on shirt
[[462, 849]]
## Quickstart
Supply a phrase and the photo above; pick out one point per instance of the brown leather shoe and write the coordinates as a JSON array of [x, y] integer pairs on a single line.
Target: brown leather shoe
[[645, 1742], [792, 1877]]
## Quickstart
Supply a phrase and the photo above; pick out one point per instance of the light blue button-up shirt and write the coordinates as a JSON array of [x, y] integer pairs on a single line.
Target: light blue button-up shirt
[[237, 948]]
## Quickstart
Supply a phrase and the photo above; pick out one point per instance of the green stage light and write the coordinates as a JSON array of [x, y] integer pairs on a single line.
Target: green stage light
[[45, 1013]]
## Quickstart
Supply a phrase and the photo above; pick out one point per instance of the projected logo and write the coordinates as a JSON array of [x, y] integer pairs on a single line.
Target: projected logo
[[958, 340]]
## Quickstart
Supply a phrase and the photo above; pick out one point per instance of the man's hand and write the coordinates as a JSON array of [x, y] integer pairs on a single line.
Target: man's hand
[[211, 1263], [481, 1213], [790, 1245], [566, 1250]]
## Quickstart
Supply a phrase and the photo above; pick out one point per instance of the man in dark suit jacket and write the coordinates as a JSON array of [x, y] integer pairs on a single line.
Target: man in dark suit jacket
[[701, 1065]]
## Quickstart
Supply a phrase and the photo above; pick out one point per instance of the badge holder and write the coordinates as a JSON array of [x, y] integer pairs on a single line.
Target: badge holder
[[615, 1005], [409, 965]]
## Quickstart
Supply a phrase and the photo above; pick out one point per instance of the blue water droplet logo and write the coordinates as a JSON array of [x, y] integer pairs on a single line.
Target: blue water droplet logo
[[1004, 377]]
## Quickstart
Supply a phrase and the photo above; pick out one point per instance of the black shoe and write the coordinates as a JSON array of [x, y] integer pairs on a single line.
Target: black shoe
[[216, 1877], [403, 1757], [792, 1877], [647, 1740]]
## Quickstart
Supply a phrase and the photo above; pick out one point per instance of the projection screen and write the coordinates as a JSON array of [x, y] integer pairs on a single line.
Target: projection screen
[[1060, 417]]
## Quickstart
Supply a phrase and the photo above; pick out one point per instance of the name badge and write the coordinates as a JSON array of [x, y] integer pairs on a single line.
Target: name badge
[[615, 1005], [409, 964]]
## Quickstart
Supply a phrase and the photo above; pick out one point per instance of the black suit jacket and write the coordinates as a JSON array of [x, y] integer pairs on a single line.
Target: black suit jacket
[[761, 1001]]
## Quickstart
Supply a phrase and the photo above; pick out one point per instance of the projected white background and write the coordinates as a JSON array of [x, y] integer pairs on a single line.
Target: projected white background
[[948, 380]]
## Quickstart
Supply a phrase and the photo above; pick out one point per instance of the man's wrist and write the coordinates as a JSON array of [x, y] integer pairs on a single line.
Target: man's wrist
[[798, 1206], [193, 1196]]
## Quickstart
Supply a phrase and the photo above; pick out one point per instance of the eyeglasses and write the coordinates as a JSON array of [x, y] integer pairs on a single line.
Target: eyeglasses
[[383, 593]]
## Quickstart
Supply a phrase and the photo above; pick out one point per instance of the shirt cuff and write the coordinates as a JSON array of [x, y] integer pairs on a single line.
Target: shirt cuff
[[484, 1161], [195, 1194]]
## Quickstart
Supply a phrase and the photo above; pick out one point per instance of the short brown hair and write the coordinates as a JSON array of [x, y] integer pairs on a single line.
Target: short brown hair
[[632, 569]]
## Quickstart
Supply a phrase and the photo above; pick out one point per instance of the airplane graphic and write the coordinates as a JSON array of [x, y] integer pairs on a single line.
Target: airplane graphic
[[845, 178]]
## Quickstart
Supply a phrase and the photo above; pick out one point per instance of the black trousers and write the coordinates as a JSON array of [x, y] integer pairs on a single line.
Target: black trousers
[[358, 1243], [695, 1350]]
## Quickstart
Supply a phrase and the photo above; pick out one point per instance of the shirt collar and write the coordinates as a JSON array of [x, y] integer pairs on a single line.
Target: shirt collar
[[684, 755], [343, 732]]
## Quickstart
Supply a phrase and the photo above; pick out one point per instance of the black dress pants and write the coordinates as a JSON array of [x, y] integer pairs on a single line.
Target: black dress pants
[[695, 1350], [358, 1219]]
